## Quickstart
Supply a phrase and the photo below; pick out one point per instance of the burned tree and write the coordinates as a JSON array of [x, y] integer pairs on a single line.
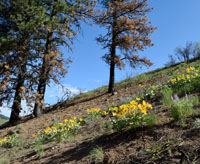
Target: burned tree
[[62, 25], [18, 49], [128, 32]]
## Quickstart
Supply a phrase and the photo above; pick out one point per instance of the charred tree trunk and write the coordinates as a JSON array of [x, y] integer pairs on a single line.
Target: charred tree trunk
[[37, 111], [41, 90], [16, 107], [111, 88]]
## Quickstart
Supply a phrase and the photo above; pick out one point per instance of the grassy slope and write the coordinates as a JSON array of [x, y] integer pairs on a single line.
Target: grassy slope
[[166, 142], [3, 119]]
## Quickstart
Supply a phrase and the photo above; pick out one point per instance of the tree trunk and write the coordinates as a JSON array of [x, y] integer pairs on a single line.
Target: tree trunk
[[111, 88], [16, 107], [41, 90], [37, 111], [43, 77]]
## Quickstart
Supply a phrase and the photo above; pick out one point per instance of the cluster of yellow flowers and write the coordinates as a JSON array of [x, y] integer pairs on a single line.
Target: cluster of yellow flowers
[[92, 110], [131, 108], [6, 139], [64, 126], [188, 73]]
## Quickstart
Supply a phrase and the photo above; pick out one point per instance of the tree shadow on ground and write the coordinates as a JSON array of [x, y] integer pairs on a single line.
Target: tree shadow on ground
[[107, 142]]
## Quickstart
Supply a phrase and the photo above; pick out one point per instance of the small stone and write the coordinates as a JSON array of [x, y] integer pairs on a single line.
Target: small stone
[[115, 93]]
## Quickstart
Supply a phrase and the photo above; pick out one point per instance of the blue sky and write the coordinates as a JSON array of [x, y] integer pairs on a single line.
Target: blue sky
[[178, 21]]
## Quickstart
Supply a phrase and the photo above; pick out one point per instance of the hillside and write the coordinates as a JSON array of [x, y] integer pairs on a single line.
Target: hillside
[[97, 127], [3, 119]]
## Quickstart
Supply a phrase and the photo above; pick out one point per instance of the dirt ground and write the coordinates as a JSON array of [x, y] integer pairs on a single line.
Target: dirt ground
[[165, 143]]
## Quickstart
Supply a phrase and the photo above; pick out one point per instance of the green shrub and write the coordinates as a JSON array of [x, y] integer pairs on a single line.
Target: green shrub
[[150, 120], [10, 141], [194, 99], [59, 131], [197, 123], [183, 108], [38, 147], [167, 97], [97, 155], [133, 121], [93, 113], [186, 81], [4, 159], [152, 91]]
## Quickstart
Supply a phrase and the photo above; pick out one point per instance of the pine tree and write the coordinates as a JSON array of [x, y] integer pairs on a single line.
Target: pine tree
[[31, 34], [62, 25], [19, 21], [128, 32]]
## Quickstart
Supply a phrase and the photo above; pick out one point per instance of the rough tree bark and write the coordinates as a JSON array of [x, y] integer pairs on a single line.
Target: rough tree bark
[[43, 77], [111, 88], [16, 107]]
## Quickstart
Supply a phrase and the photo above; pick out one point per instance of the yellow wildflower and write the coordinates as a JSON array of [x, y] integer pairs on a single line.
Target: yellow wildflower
[[114, 113], [138, 99], [149, 106], [66, 121], [131, 112], [110, 108], [105, 113], [38, 133], [116, 109], [141, 86], [33, 136], [62, 123], [133, 102]]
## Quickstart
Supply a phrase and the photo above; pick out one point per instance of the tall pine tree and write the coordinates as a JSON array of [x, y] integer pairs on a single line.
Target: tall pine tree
[[128, 32], [35, 31], [61, 26], [18, 23]]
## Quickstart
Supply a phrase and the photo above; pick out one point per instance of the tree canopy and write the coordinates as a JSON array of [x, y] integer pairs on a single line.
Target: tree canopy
[[128, 31]]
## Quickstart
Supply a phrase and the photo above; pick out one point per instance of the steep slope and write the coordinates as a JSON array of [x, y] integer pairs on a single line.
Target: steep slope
[[167, 141], [3, 119]]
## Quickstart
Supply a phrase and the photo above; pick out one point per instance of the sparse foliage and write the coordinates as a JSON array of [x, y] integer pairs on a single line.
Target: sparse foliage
[[97, 155], [172, 60], [128, 31], [183, 108], [167, 94], [18, 52], [184, 54], [62, 25], [197, 123], [30, 39]]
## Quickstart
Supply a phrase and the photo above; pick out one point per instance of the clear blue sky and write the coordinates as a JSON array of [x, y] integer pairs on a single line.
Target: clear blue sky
[[178, 21]]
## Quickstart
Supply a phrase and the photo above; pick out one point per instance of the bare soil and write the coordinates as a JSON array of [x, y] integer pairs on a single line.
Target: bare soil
[[165, 143]]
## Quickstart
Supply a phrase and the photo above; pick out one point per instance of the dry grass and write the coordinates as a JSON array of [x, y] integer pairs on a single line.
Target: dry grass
[[129, 146]]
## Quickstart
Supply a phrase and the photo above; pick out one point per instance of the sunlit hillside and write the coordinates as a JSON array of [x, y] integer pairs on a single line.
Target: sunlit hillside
[[151, 118], [3, 119]]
